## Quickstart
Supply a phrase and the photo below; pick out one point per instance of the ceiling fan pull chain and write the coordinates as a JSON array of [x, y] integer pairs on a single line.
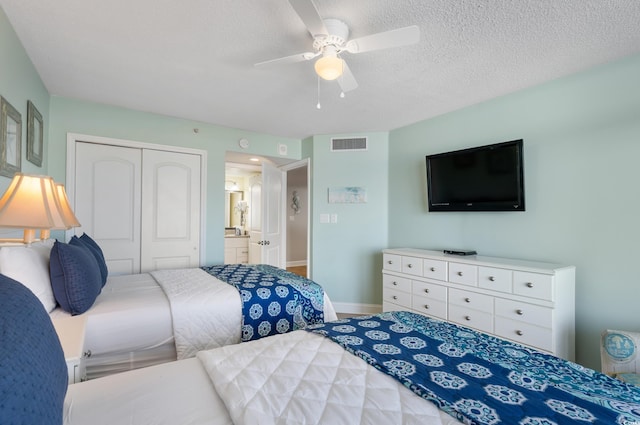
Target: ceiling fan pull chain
[[341, 79], [318, 104]]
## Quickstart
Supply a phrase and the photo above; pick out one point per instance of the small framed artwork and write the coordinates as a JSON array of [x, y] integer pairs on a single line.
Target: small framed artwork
[[347, 195], [10, 139], [34, 134]]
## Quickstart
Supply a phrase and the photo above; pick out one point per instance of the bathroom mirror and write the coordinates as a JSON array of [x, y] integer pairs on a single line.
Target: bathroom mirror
[[231, 198]]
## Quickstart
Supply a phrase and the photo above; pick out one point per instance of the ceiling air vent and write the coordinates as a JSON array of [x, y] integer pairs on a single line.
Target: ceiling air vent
[[349, 144]]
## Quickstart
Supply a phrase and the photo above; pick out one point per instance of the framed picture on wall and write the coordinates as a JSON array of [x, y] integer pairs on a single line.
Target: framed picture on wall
[[34, 134], [10, 139]]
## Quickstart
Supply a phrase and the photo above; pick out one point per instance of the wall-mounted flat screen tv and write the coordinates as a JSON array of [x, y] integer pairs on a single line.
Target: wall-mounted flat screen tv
[[484, 178]]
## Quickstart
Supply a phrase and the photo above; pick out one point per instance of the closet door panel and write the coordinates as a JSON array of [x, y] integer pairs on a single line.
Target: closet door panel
[[107, 202], [170, 210]]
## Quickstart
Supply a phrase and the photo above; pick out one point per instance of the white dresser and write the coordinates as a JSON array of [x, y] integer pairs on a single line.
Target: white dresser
[[528, 302]]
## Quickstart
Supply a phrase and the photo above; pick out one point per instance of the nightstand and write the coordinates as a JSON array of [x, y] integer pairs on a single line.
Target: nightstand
[[70, 331]]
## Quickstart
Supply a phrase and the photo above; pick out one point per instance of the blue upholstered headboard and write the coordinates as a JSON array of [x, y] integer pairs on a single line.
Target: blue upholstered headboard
[[33, 374]]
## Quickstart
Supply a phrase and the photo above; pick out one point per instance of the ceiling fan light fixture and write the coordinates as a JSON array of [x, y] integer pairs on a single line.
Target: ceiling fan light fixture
[[329, 67]]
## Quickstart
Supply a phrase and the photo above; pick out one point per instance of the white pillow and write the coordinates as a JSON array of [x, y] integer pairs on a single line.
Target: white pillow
[[29, 265]]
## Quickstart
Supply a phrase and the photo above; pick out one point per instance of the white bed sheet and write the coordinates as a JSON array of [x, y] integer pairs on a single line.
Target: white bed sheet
[[173, 393], [131, 314]]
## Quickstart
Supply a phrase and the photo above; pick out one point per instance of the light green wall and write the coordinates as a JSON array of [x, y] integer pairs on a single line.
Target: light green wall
[[346, 255], [73, 116], [581, 148], [20, 82]]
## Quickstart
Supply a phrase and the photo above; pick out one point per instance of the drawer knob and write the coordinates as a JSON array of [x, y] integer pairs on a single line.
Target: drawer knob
[[529, 285], [426, 306], [519, 333], [519, 312], [395, 297], [459, 273], [467, 300], [389, 262], [426, 290], [86, 353], [492, 279], [468, 318], [409, 265], [394, 283], [433, 269]]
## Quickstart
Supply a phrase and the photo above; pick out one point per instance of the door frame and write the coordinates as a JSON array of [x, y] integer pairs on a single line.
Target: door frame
[[286, 168], [70, 181]]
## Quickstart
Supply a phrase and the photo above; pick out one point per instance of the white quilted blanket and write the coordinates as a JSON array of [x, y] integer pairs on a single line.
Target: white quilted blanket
[[206, 312], [304, 378]]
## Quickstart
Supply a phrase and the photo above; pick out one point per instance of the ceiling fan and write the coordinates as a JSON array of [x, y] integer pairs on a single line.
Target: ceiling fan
[[331, 39]]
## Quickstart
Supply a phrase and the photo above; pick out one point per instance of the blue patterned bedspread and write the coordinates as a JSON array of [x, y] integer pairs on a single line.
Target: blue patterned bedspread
[[480, 379], [274, 301]]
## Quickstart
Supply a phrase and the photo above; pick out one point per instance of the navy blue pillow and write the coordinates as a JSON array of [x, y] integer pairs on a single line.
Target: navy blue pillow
[[95, 250], [75, 277], [34, 376]]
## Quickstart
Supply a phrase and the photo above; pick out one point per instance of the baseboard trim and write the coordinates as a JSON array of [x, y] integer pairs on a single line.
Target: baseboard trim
[[355, 308], [296, 263]]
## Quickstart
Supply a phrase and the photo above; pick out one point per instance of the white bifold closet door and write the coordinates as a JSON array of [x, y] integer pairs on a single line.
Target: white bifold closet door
[[142, 206]]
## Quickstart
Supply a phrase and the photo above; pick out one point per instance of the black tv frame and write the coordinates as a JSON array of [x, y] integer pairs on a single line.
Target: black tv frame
[[519, 204]]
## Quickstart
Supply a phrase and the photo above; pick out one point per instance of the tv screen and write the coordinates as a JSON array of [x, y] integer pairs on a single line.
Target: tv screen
[[484, 178]]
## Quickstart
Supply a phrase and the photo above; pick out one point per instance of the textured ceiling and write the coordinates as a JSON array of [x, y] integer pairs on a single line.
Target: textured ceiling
[[194, 58]]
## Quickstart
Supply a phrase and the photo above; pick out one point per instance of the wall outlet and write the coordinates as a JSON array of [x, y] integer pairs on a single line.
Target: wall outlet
[[334, 218], [282, 149]]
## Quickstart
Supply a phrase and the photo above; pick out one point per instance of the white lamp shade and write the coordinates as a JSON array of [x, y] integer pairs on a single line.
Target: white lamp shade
[[68, 216], [329, 67], [30, 202]]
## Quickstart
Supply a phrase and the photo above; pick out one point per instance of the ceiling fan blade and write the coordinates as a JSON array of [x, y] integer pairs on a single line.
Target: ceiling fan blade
[[310, 16], [347, 81], [299, 57], [384, 40]]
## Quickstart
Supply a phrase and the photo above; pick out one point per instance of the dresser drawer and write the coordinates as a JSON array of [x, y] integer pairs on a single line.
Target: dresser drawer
[[464, 274], [412, 265], [430, 307], [387, 306], [495, 279], [476, 319], [395, 282], [429, 290], [525, 333], [392, 262], [236, 242], [396, 297], [434, 269], [472, 300], [523, 312], [533, 285]]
